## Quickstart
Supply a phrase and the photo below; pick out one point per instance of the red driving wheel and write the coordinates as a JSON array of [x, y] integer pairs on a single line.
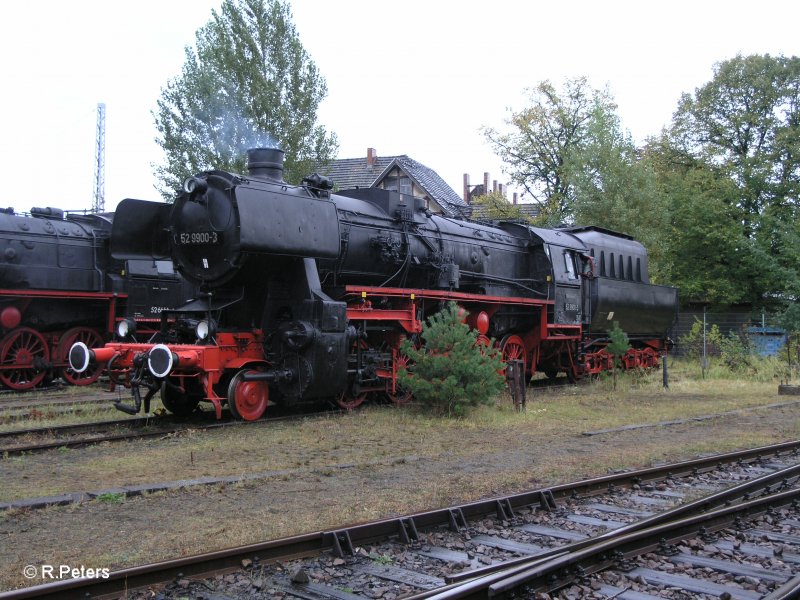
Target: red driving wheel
[[23, 359]]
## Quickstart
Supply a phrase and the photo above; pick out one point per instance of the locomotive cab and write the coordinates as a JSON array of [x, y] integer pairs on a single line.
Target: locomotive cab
[[561, 260]]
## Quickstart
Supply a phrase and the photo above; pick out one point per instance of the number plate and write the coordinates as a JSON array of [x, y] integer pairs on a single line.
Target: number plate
[[198, 238]]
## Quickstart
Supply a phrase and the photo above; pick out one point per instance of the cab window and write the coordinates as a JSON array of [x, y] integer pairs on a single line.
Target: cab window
[[569, 265]]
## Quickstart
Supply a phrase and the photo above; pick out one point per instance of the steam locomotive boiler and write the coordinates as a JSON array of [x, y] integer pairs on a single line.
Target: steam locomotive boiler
[[59, 285], [307, 295]]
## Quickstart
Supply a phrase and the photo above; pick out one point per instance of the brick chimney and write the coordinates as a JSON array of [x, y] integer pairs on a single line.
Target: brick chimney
[[372, 156], [467, 197]]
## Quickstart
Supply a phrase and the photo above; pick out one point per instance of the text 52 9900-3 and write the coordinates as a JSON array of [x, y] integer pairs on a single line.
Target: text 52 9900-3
[[197, 238]]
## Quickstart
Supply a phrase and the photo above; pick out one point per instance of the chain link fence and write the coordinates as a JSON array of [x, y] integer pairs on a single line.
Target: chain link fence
[[761, 331]]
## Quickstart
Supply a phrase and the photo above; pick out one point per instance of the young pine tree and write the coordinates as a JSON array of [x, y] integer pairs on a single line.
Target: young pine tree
[[450, 373], [618, 346]]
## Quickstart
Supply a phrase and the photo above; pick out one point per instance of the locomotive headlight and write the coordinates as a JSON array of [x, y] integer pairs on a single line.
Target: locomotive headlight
[[160, 361], [205, 329], [125, 328]]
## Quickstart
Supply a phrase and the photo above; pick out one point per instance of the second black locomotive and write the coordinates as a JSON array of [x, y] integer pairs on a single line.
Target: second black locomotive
[[59, 285]]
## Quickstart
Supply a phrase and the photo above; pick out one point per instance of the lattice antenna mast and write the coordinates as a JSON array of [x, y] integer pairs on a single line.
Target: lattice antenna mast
[[99, 202]]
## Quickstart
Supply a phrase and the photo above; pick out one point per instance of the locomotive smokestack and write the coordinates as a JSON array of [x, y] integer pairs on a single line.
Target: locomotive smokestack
[[265, 163]]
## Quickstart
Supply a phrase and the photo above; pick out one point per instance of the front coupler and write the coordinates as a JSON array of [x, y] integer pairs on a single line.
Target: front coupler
[[139, 377]]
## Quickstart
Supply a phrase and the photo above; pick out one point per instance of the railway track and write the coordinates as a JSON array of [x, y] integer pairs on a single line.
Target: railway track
[[59, 401], [46, 404], [695, 515], [52, 395], [42, 439]]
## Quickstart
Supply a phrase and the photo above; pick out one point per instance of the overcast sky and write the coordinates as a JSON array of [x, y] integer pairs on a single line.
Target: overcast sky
[[414, 77]]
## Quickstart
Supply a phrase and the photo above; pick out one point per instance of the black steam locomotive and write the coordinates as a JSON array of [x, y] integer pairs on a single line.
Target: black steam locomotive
[[59, 285], [306, 294]]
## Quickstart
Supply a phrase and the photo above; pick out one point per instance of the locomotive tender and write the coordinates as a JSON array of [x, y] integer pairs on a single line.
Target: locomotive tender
[[59, 285], [307, 294]]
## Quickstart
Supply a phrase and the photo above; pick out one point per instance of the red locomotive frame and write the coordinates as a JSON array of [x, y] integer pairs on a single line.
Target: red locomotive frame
[[213, 369]]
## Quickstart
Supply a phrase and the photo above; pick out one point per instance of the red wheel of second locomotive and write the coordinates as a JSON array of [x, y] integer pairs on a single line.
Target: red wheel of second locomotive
[[247, 400], [23, 359], [92, 339]]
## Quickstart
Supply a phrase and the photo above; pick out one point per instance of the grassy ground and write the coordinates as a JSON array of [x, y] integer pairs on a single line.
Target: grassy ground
[[379, 433], [41, 410], [376, 462]]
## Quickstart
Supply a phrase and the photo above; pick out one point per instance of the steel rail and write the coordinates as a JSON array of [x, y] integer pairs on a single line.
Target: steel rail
[[742, 492], [193, 566], [82, 443], [480, 579], [185, 423], [78, 427], [790, 589], [636, 543]]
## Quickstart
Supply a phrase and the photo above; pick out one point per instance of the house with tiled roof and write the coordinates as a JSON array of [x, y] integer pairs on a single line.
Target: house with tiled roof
[[397, 173]]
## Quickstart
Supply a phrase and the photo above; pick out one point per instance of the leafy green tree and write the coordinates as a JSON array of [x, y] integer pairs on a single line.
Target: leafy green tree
[[702, 248], [790, 318], [790, 321], [541, 139], [744, 126], [736, 351], [495, 205], [616, 189], [619, 343], [746, 120], [248, 83], [450, 372]]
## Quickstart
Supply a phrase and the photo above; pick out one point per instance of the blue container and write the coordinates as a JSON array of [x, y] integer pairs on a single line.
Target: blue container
[[766, 341]]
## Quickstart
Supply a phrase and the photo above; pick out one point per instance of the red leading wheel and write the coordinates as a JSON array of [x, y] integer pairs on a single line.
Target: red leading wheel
[[247, 400], [24, 358], [92, 339]]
